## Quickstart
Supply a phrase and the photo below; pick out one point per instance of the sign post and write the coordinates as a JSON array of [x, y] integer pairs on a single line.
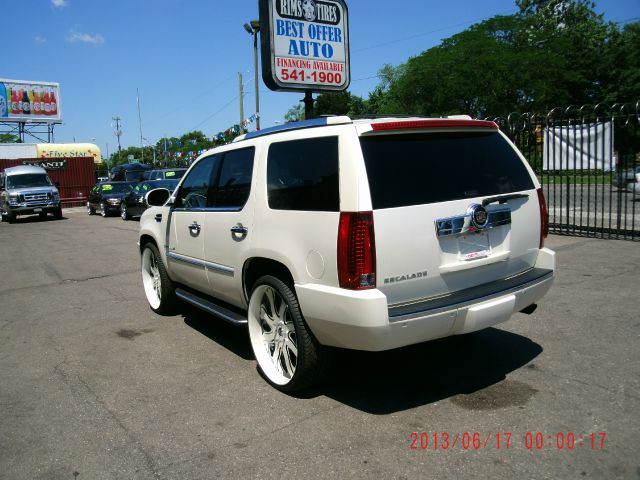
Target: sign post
[[305, 46]]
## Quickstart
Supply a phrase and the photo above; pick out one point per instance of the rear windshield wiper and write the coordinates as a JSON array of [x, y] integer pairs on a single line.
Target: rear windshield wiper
[[503, 198]]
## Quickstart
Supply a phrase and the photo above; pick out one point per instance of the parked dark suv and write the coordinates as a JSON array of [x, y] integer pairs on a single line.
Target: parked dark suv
[[130, 172]]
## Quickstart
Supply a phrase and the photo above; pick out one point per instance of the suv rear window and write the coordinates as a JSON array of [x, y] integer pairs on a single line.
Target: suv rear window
[[415, 169], [303, 175]]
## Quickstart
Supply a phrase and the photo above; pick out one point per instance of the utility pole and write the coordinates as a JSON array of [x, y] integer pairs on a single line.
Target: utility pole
[[241, 103], [140, 123], [117, 131]]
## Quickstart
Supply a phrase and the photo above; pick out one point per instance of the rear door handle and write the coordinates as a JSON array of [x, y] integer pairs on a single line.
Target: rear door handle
[[194, 228]]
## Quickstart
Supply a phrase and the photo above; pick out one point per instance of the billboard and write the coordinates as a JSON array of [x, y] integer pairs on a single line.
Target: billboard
[[58, 151], [304, 45], [24, 101]]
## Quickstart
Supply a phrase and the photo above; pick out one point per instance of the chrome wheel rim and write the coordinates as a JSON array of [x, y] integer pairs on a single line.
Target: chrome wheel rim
[[273, 335], [151, 278], [103, 210], [123, 211]]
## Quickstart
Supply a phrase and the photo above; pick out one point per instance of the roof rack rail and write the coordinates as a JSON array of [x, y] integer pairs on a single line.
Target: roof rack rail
[[315, 122]]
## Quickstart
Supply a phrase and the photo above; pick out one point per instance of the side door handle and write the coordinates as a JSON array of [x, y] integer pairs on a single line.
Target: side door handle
[[194, 228], [239, 229]]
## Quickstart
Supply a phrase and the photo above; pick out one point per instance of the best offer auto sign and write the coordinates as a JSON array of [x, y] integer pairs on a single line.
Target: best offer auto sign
[[304, 44]]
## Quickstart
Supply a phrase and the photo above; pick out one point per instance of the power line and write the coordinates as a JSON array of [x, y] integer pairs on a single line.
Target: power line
[[216, 112]]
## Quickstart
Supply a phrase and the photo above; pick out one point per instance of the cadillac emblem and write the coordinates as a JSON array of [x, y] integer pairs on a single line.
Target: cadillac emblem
[[479, 216]]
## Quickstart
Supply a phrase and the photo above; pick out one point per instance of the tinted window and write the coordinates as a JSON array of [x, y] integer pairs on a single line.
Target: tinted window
[[234, 182], [195, 188], [438, 167], [108, 188], [303, 175]]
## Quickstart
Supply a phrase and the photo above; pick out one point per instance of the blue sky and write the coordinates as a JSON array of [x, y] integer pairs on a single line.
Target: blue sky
[[184, 57]]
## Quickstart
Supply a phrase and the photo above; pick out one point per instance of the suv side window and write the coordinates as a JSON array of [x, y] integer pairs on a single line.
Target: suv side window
[[303, 175], [195, 189], [234, 181]]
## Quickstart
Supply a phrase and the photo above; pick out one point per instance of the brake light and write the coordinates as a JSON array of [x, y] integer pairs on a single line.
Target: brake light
[[356, 251], [544, 217], [433, 123]]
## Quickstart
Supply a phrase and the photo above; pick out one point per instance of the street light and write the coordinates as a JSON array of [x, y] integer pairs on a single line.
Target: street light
[[252, 28]]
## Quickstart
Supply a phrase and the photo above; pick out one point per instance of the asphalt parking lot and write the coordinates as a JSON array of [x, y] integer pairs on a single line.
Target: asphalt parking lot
[[94, 385]]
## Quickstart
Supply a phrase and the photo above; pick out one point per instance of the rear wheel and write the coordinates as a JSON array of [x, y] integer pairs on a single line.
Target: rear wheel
[[157, 285], [287, 354]]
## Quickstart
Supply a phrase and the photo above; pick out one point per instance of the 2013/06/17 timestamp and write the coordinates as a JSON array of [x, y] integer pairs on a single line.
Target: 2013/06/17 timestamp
[[506, 440]]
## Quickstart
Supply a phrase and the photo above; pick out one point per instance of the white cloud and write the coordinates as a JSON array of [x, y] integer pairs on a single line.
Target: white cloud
[[59, 3], [94, 40], [39, 40]]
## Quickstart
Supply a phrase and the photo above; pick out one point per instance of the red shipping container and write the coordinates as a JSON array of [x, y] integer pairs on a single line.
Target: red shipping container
[[74, 176]]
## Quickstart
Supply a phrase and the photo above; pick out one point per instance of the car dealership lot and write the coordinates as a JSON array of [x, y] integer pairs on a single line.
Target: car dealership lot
[[94, 385]]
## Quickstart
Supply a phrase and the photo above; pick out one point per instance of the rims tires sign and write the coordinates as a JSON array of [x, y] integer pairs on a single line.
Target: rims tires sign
[[304, 45]]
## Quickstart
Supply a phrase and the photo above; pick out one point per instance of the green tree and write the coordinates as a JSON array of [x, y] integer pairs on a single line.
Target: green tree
[[294, 114], [9, 138]]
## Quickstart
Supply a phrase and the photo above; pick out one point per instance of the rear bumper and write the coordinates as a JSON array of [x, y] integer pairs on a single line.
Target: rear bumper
[[362, 320]]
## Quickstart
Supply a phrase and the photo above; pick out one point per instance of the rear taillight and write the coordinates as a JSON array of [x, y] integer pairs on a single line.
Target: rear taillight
[[356, 251], [544, 217]]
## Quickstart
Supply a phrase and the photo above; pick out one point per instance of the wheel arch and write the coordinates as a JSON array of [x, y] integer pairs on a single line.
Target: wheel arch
[[146, 239], [256, 267]]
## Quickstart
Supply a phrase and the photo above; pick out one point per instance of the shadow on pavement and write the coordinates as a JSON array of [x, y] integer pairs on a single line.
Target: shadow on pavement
[[386, 382], [396, 380]]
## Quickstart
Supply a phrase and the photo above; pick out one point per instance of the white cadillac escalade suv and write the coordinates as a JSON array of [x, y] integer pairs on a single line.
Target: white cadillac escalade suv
[[361, 234]]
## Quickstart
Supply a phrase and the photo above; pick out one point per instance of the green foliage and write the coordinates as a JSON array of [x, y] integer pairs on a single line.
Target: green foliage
[[189, 142], [9, 138], [294, 114]]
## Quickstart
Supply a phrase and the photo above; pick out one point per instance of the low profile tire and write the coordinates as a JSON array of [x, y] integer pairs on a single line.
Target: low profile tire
[[42, 214], [103, 210], [156, 282], [90, 209], [124, 212], [57, 213], [288, 355], [11, 216]]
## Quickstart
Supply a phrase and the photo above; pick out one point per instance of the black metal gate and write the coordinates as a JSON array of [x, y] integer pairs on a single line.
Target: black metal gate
[[588, 162]]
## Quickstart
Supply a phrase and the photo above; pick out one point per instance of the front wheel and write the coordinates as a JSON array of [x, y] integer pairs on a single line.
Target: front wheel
[[157, 285], [287, 354], [90, 209], [103, 209], [11, 216], [124, 212], [57, 213]]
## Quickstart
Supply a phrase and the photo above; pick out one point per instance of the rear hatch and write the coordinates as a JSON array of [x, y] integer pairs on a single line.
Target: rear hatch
[[454, 208]]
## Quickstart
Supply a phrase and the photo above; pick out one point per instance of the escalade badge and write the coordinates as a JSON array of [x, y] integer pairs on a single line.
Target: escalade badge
[[479, 216]]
